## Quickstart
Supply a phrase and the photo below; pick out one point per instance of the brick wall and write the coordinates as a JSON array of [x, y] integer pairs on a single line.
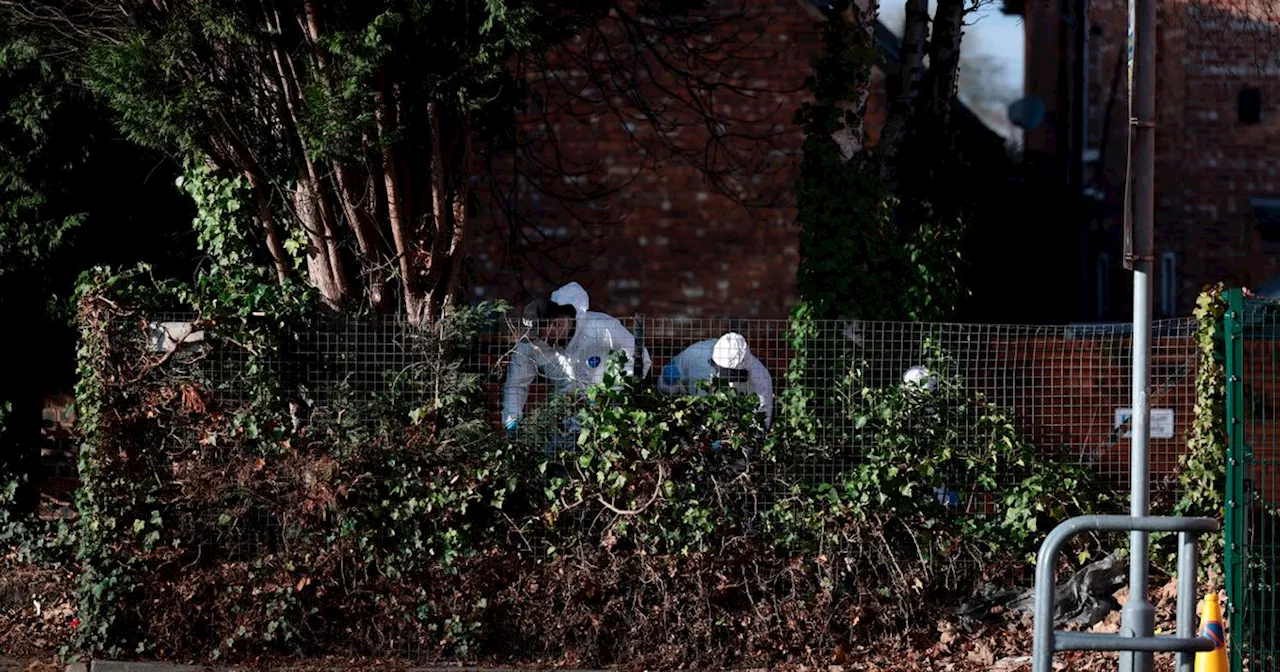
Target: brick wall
[[1223, 162], [679, 247], [1208, 164]]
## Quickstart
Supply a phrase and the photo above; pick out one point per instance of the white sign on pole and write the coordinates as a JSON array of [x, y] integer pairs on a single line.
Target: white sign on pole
[[1161, 422]]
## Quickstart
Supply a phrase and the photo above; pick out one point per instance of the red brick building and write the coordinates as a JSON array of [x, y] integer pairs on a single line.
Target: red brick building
[[679, 247], [1217, 142]]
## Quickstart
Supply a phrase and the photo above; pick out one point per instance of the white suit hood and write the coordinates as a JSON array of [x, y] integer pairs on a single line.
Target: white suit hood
[[572, 294], [580, 364]]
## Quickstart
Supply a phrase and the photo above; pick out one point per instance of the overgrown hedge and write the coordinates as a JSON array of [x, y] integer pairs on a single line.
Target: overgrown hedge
[[221, 525]]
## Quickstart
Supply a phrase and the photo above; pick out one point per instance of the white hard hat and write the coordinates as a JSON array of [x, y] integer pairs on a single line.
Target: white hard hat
[[730, 352], [919, 375], [571, 294]]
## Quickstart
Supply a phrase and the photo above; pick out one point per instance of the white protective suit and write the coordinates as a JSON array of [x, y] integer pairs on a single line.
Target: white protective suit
[[698, 361], [920, 376], [578, 365]]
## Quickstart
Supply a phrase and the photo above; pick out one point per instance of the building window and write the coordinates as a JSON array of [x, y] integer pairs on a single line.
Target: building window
[[1102, 284], [1168, 278], [1249, 105]]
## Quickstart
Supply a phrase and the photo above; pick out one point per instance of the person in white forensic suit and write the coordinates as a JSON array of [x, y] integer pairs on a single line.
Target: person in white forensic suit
[[726, 358], [581, 362]]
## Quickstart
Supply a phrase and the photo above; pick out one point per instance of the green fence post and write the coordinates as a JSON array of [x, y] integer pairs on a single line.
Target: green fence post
[[1237, 471]]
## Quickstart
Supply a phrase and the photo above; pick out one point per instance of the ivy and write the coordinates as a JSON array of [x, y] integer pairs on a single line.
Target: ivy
[[867, 249], [398, 512], [1201, 472], [797, 399], [311, 527], [120, 501], [234, 282], [651, 472], [919, 440]]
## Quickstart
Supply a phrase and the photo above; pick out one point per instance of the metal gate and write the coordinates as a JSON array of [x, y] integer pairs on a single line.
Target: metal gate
[[1252, 344]]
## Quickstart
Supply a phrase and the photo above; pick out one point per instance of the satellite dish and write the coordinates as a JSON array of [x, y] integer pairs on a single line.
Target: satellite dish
[[1026, 113]]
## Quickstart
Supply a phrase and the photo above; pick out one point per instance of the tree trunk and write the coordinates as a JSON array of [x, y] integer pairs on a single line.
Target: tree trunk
[[366, 229], [931, 128], [268, 220], [440, 230], [902, 108], [395, 210], [330, 230], [944, 59], [266, 216], [312, 206], [293, 89], [319, 266], [851, 137], [460, 190]]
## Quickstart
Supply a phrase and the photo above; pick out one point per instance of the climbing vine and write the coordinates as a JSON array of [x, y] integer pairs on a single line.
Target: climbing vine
[[1201, 471], [306, 525]]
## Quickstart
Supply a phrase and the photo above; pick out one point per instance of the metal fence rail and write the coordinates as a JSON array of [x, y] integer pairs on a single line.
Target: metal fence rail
[[1253, 468]]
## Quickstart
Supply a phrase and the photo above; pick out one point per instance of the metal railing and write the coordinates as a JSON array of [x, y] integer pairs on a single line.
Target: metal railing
[[1047, 641], [1251, 338]]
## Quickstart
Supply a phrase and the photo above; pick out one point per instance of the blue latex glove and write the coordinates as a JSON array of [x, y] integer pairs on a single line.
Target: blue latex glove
[[715, 446], [511, 427], [947, 497], [670, 375]]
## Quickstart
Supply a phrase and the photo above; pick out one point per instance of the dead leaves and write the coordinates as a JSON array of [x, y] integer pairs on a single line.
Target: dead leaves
[[948, 632], [982, 654], [193, 400], [1109, 624], [37, 607]]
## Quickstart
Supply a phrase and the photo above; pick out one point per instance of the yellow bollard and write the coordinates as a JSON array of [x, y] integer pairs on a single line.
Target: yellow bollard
[[1211, 627]]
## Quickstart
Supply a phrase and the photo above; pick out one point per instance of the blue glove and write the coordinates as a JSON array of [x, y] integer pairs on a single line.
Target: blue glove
[[715, 446], [947, 497], [511, 427], [670, 375]]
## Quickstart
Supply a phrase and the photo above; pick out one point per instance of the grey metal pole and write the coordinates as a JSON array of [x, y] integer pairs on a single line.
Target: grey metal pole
[[1137, 619], [1188, 561]]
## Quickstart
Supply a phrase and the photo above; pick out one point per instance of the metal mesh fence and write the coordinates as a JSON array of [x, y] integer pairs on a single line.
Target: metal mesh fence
[[1253, 332], [1066, 387]]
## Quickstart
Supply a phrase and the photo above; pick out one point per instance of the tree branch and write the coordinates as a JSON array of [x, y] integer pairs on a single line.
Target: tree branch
[[395, 211]]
